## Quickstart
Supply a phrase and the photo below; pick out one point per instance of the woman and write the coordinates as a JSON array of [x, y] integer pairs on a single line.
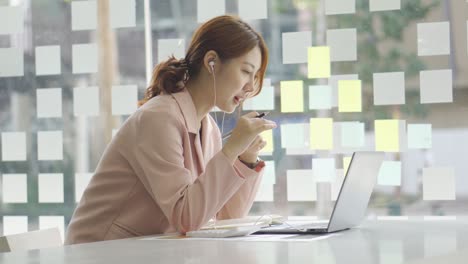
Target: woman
[[166, 170]]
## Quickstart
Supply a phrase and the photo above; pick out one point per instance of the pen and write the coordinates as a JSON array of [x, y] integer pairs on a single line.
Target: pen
[[258, 116]]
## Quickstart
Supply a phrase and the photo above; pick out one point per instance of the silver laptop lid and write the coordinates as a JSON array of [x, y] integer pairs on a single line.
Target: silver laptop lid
[[353, 198]]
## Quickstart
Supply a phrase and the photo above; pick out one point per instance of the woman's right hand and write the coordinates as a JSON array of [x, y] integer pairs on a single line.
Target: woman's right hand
[[247, 128]]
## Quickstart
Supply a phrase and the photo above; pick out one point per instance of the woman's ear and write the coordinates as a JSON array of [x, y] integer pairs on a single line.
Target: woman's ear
[[210, 61]]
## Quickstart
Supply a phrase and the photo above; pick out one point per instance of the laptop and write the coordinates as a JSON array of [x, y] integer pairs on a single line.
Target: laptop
[[351, 204]]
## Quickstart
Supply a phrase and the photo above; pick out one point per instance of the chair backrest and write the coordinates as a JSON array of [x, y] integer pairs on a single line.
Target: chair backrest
[[31, 240]]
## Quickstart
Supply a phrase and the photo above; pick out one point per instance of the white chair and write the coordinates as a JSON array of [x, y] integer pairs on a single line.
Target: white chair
[[31, 240]]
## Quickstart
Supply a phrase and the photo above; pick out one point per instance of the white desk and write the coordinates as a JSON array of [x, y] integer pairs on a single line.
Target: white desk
[[373, 242]]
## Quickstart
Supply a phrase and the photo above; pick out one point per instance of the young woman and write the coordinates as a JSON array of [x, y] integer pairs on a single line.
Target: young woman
[[166, 170]]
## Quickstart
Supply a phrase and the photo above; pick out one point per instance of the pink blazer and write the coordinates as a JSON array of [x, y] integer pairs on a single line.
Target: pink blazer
[[159, 175]]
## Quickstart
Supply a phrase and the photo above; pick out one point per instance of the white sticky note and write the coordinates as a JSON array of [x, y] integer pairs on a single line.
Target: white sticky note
[[419, 136], [292, 96], [50, 187], [324, 169], [15, 188], [86, 101], [294, 136], [84, 15], [389, 88], [253, 9], [264, 193], [48, 60], [433, 38], [352, 134], [81, 182], [12, 62], [13, 146], [295, 45], [265, 100], [301, 185], [384, 5], [269, 175], [170, 47], [333, 82], [52, 221], [436, 86], [49, 145], [85, 58], [15, 225], [390, 173], [391, 252], [12, 20], [320, 97], [349, 96], [208, 9], [438, 183], [338, 51], [49, 102], [440, 243], [124, 99], [122, 13], [336, 7]]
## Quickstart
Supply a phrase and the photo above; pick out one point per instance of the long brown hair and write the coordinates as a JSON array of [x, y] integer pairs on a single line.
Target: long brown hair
[[228, 35]]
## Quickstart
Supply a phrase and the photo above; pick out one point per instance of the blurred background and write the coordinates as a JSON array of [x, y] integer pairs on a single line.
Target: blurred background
[[71, 72]]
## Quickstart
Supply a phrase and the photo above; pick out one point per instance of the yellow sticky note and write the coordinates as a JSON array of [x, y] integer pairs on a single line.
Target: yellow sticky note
[[321, 133], [387, 135], [268, 137], [292, 96], [349, 96], [346, 162], [318, 62]]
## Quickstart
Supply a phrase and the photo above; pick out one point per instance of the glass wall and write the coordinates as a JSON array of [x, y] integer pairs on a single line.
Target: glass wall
[[344, 76]]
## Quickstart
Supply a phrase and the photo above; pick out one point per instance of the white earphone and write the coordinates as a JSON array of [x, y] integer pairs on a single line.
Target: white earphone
[[212, 63]]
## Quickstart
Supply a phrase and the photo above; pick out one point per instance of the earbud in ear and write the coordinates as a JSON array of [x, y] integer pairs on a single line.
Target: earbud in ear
[[212, 63]]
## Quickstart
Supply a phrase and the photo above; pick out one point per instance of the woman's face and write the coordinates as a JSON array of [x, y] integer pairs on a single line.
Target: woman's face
[[236, 79]]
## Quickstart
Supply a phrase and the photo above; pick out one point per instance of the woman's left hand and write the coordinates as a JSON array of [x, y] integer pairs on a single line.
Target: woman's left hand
[[251, 153]]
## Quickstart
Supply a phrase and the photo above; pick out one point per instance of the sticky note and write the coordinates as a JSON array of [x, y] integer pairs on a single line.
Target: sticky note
[[391, 251], [320, 97], [268, 137], [433, 38], [14, 188], [295, 46], [253, 9], [81, 182], [336, 7], [86, 101], [301, 185], [264, 193], [208, 9], [352, 134], [50, 187], [49, 102], [336, 185], [265, 100], [12, 20], [15, 225], [49, 145], [318, 62], [12, 62], [335, 40], [170, 47], [436, 86], [324, 169], [84, 15], [419, 136], [294, 136], [13, 146], [85, 58], [438, 183], [53, 221], [384, 5], [124, 99], [389, 88], [122, 13], [292, 96], [439, 243], [346, 162], [333, 82], [390, 173], [349, 96], [48, 60], [321, 133], [389, 135]]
